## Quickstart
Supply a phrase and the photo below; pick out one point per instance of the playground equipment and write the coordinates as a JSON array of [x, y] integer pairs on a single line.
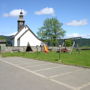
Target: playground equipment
[[74, 45], [46, 49]]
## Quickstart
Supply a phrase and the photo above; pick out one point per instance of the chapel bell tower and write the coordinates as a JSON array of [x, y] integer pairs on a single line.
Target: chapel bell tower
[[21, 21]]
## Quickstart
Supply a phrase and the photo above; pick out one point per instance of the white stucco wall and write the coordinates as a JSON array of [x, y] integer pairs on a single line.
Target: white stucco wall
[[28, 37], [18, 35]]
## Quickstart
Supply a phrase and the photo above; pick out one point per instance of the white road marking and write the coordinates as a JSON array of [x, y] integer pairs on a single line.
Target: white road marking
[[48, 68], [66, 85], [40, 75], [38, 65], [65, 73], [83, 86], [20, 67], [26, 63]]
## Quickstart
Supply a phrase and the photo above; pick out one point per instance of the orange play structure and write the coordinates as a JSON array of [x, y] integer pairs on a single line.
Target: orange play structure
[[46, 49]]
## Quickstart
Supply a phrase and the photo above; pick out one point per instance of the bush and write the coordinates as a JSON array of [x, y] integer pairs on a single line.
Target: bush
[[68, 43]]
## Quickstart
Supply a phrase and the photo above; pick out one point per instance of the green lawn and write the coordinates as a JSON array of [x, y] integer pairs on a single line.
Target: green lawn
[[80, 59]]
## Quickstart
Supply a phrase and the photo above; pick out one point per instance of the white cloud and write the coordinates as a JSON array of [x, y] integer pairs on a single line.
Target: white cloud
[[88, 34], [77, 23], [14, 13], [45, 11], [78, 35], [74, 35]]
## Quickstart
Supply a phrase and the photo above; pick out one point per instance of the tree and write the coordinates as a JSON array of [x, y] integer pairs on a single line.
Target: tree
[[68, 42], [51, 31]]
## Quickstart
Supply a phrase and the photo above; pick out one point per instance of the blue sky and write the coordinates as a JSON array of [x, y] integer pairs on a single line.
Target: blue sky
[[74, 14]]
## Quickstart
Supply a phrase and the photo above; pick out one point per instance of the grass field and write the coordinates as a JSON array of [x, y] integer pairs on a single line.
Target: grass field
[[76, 58]]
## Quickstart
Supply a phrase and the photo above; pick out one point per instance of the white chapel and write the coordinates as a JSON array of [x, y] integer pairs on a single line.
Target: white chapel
[[25, 36]]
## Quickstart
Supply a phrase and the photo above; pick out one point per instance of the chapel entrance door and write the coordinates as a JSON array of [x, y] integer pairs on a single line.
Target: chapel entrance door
[[28, 49]]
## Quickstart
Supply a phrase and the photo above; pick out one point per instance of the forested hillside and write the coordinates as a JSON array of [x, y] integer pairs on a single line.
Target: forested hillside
[[81, 42], [8, 39]]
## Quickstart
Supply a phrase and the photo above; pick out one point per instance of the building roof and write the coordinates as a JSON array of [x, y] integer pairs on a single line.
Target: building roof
[[26, 31]]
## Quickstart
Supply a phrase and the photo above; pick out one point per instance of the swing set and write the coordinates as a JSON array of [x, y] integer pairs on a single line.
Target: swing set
[[74, 45]]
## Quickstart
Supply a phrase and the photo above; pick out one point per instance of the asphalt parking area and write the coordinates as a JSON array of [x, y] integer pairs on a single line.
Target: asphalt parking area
[[70, 77]]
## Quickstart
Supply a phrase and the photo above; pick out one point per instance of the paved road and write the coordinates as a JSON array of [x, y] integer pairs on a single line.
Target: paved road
[[26, 74]]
